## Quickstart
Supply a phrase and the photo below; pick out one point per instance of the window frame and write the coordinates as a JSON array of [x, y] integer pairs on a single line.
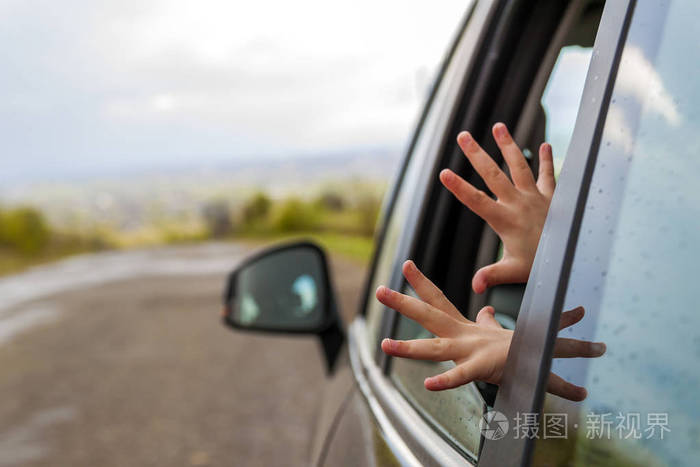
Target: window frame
[[474, 109], [529, 360]]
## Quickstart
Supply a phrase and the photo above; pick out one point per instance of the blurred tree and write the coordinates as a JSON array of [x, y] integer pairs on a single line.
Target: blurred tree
[[217, 217], [295, 215], [256, 208], [332, 201], [24, 230], [368, 208]]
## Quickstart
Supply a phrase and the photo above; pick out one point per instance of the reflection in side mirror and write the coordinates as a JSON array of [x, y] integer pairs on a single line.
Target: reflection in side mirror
[[281, 291], [287, 290]]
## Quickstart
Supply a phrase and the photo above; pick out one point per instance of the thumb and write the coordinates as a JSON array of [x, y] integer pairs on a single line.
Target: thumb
[[502, 272], [486, 318]]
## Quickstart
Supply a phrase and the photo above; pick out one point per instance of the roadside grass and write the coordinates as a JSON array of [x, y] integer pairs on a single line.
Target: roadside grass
[[13, 263], [342, 223], [356, 248]]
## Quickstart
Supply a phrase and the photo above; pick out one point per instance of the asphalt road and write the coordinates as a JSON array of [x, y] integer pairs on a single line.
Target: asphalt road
[[120, 359]]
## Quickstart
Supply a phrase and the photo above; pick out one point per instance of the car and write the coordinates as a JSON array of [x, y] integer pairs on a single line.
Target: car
[[613, 86]]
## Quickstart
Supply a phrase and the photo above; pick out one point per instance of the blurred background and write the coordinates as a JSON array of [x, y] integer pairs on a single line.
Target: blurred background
[[146, 147]]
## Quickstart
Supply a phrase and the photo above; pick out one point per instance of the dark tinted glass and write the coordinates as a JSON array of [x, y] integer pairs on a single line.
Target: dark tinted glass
[[285, 290]]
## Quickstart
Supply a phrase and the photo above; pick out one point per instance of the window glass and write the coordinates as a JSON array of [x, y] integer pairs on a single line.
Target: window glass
[[561, 98], [635, 267], [455, 413]]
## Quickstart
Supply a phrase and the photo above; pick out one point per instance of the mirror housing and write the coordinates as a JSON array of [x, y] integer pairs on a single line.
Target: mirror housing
[[286, 289]]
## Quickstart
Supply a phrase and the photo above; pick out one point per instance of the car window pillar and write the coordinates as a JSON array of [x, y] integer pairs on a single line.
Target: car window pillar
[[527, 368]]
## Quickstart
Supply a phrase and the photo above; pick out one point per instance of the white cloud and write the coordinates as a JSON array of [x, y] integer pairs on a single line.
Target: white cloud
[[638, 77], [140, 81]]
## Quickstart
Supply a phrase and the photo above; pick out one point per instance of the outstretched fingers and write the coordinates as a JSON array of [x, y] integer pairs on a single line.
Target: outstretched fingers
[[517, 164], [482, 204], [502, 272], [493, 176], [436, 349], [545, 179], [428, 292], [432, 319], [562, 388], [573, 348], [463, 373], [571, 317]]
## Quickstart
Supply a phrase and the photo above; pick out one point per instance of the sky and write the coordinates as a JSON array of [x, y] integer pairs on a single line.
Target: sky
[[116, 85]]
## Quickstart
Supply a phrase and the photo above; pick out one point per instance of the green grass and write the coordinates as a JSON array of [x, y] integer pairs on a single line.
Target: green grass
[[13, 263], [353, 247], [356, 248]]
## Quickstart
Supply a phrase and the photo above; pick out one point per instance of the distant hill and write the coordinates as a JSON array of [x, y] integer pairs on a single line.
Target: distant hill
[[130, 198]]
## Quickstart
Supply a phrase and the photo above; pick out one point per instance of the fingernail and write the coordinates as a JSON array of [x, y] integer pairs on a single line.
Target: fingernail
[[599, 348], [499, 129], [432, 383], [384, 292], [464, 137], [446, 175]]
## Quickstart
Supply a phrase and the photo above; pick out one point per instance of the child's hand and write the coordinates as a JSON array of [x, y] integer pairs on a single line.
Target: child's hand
[[518, 215], [478, 349]]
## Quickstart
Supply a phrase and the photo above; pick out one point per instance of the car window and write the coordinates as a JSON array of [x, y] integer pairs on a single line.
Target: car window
[[457, 413], [635, 266]]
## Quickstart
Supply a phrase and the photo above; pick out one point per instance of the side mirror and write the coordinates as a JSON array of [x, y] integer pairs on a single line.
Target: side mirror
[[286, 289]]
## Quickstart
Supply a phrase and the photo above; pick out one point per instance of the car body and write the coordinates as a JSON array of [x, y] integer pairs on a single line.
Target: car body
[[608, 81]]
